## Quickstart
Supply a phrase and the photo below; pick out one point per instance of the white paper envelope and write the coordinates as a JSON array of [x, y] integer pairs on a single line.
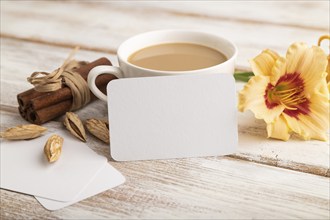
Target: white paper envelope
[[172, 116], [108, 177], [25, 169]]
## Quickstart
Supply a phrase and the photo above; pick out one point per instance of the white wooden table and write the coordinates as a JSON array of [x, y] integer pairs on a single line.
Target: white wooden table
[[265, 179]]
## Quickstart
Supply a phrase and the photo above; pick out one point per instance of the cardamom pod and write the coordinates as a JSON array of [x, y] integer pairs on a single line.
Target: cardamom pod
[[53, 148], [23, 132], [75, 126], [99, 129]]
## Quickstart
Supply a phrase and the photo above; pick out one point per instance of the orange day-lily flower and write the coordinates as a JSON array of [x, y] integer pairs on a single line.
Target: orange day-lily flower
[[290, 94]]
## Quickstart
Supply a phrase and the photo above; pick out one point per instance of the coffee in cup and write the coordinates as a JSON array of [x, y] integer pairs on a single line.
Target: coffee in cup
[[176, 57]]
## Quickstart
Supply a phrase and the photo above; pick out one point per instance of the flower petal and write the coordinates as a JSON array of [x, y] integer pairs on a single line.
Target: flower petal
[[264, 62], [313, 68], [278, 70], [251, 97], [315, 124], [323, 88], [328, 69], [295, 56], [310, 63], [278, 129]]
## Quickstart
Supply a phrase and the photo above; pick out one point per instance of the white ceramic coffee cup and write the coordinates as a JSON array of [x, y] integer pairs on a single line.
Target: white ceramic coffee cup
[[141, 41]]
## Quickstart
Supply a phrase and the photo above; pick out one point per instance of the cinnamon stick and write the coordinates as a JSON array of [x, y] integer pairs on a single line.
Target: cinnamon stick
[[25, 97], [62, 94], [48, 113], [39, 107]]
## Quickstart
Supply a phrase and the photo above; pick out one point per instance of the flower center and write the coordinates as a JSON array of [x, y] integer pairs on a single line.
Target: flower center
[[289, 92], [289, 97]]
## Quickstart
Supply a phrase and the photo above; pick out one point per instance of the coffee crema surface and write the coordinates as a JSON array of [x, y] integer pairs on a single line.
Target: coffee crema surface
[[176, 57]]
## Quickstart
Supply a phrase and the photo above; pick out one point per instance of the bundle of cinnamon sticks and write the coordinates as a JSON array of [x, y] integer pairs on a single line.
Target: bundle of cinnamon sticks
[[40, 107]]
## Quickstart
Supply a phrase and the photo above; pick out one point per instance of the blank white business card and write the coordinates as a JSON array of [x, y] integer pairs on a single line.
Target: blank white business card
[[107, 178], [25, 169], [172, 116]]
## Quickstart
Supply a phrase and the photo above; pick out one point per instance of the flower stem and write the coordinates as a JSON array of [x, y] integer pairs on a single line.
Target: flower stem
[[245, 76]]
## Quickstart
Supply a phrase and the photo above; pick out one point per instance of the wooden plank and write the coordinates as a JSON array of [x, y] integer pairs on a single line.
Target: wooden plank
[[272, 13], [204, 188], [104, 26], [212, 187], [22, 58], [296, 154]]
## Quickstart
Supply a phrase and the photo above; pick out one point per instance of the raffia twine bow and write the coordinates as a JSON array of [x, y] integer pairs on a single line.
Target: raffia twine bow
[[64, 75]]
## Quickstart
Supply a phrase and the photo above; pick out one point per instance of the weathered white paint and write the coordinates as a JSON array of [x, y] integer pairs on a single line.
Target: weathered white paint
[[103, 26], [36, 36], [273, 13]]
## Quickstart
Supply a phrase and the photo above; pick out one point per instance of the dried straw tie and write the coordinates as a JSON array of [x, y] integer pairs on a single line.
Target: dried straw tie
[[65, 75]]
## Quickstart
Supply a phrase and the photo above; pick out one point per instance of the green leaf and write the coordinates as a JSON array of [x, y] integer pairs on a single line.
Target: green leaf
[[245, 76]]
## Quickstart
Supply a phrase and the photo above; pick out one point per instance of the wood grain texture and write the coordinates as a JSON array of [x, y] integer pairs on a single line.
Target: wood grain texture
[[194, 188], [296, 154], [306, 156], [102, 26], [38, 35], [272, 13]]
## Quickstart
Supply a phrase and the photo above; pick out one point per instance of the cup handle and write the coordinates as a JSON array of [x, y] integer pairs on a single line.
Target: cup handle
[[99, 70]]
